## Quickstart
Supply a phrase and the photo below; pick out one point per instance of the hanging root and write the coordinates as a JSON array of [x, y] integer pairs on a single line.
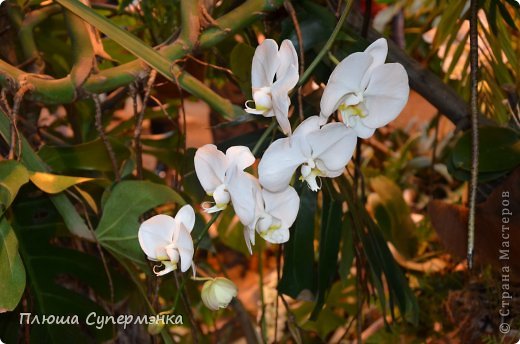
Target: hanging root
[[473, 39]]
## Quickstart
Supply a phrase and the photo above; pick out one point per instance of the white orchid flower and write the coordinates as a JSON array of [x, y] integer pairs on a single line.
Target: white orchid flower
[[321, 152], [168, 240], [367, 92], [270, 214], [271, 96], [211, 166], [218, 292]]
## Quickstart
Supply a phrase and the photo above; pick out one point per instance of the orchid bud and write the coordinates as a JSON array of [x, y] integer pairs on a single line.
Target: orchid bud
[[218, 292]]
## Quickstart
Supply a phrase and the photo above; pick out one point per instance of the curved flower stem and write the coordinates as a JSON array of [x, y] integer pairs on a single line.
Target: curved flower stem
[[206, 229], [264, 136], [327, 46], [473, 40], [195, 331], [263, 322]]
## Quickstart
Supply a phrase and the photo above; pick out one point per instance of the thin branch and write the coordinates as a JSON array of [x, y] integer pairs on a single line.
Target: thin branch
[[185, 300], [101, 131], [16, 140], [139, 123], [473, 39]]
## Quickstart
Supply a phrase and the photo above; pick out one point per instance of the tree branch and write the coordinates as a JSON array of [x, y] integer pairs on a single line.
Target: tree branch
[[60, 91]]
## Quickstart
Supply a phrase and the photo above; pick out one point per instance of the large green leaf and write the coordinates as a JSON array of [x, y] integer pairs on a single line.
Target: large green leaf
[[329, 248], [117, 229], [499, 150], [240, 62], [61, 281], [73, 220], [298, 268], [12, 272], [393, 215], [86, 156], [12, 176]]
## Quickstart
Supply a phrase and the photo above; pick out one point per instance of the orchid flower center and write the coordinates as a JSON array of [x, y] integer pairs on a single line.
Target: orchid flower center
[[309, 173], [267, 224], [262, 98], [169, 261], [221, 197], [352, 109], [263, 101]]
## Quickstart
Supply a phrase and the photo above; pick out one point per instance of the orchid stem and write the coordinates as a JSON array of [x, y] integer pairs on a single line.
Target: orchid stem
[[263, 323], [328, 44], [264, 137], [206, 229]]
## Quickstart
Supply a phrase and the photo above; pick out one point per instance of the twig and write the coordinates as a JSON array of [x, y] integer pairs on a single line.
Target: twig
[[263, 322], [473, 40], [187, 305], [101, 131], [139, 123], [292, 12], [100, 250], [327, 46], [206, 229], [264, 136], [16, 140]]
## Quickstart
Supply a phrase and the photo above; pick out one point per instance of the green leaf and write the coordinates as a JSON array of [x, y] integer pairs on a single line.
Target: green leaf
[[329, 248], [12, 176], [53, 183], [393, 215], [61, 281], [499, 150], [117, 229], [298, 267], [347, 249], [86, 156], [240, 61], [12, 272], [75, 223]]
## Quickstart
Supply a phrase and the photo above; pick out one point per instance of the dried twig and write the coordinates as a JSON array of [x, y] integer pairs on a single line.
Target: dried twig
[[15, 146], [101, 131]]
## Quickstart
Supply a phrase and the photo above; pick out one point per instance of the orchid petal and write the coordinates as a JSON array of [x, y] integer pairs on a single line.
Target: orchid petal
[[378, 50], [386, 94], [278, 164], [241, 187], [333, 145], [210, 167], [184, 244], [362, 131], [276, 236], [240, 156], [347, 77], [265, 64], [186, 216], [156, 233], [288, 58], [280, 99], [282, 205]]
